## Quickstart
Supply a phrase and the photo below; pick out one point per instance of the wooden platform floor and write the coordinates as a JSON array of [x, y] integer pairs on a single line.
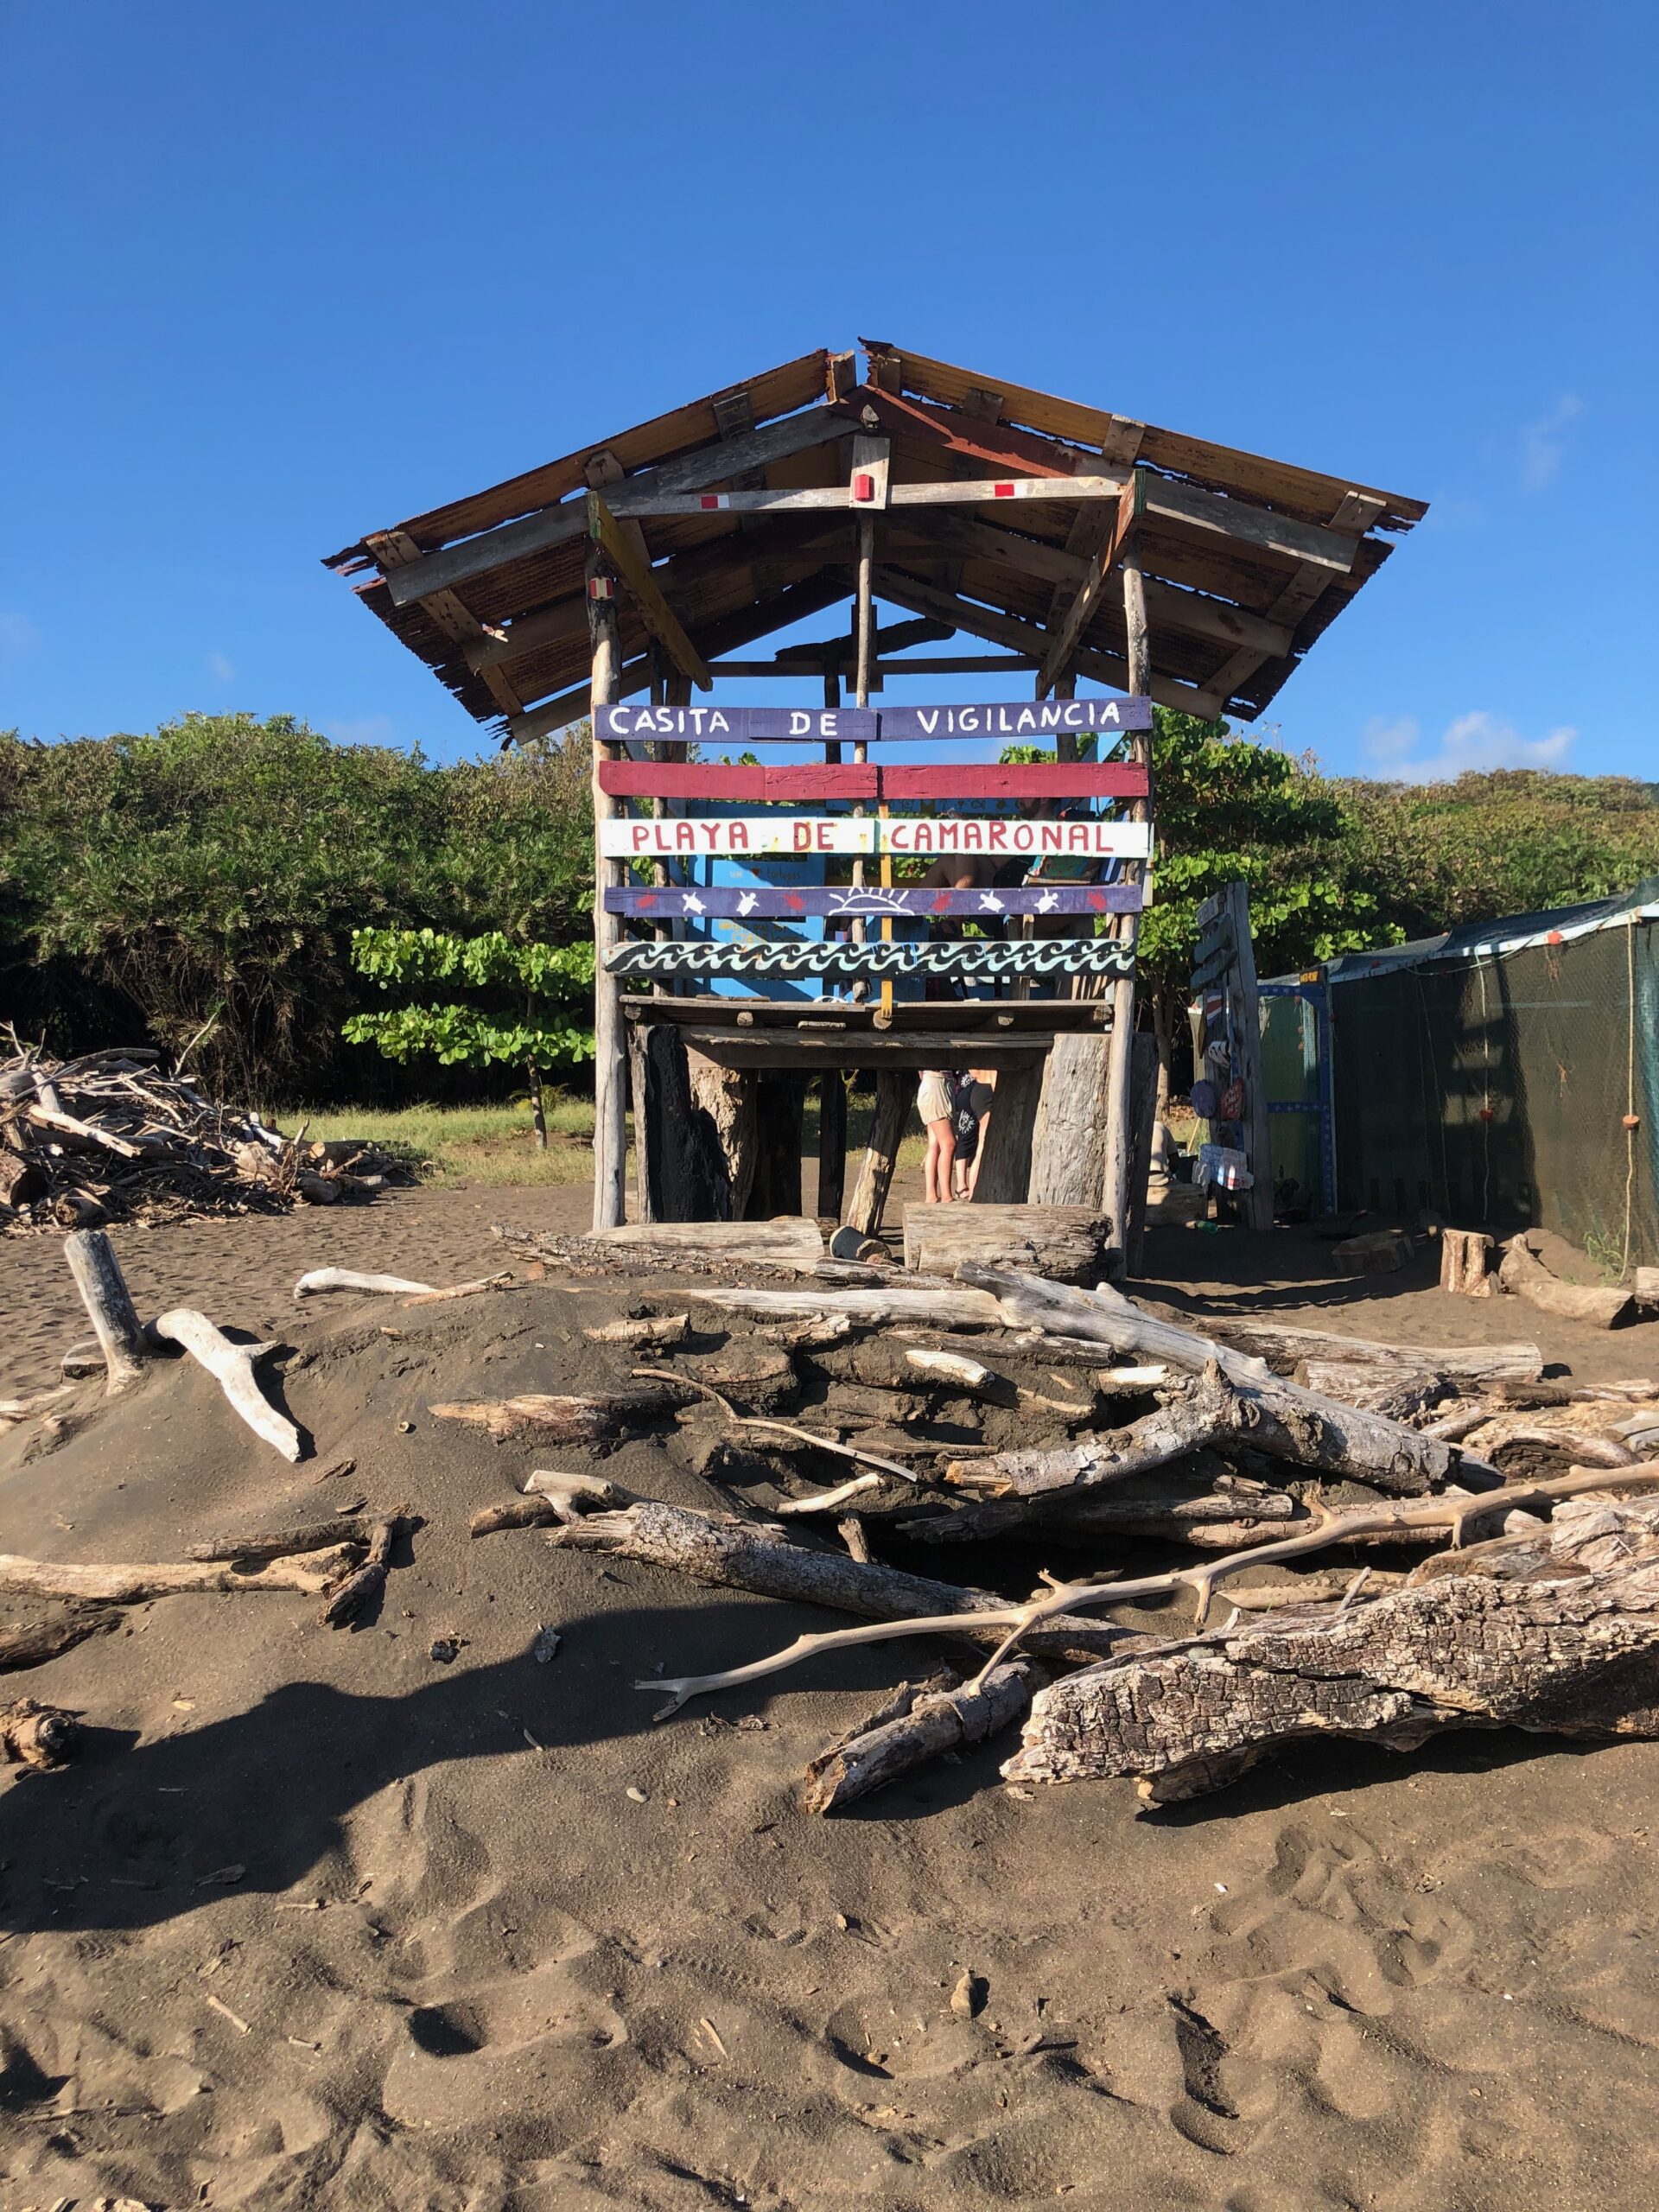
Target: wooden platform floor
[[835, 1033]]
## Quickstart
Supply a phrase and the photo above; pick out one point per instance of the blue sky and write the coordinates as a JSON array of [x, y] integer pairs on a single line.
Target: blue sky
[[276, 276]]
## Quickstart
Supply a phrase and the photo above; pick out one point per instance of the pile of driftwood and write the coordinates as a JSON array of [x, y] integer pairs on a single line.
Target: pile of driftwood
[[1007, 1417], [111, 1136]]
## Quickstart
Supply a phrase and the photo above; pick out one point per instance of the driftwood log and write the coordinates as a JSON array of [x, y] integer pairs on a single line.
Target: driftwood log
[[36, 1735], [1066, 1244], [921, 1722], [231, 1367], [1222, 1519], [931, 1308], [1267, 1416], [1401, 1393], [561, 1417], [1454, 1512], [318, 1282], [109, 1306], [1526, 1276], [1284, 1346], [33, 1645], [792, 1241], [660, 1333], [284, 1543], [352, 1594], [137, 1585], [737, 1554], [1555, 1631]]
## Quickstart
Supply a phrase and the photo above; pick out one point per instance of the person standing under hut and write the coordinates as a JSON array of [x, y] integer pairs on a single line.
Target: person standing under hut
[[971, 1098], [933, 1103]]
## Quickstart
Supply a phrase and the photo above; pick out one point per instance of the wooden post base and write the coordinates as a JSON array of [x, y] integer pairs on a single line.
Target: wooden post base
[[1466, 1263], [894, 1092]]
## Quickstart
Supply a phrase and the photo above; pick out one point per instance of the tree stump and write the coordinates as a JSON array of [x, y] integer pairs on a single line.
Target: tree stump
[[780, 1101], [681, 1168], [726, 1096], [1068, 1141], [1466, 1263]]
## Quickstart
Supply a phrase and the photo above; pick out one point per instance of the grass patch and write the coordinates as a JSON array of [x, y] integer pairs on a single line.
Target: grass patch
[[449, 1145], [446, 1145]]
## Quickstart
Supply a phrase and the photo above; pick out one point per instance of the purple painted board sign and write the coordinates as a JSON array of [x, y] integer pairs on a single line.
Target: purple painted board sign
[[1010, 722], [778, 902]]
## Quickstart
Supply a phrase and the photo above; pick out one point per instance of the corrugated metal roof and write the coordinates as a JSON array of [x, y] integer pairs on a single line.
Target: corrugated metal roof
[[1488, 940]]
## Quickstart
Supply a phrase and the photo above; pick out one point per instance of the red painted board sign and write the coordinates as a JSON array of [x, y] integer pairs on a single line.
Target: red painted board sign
[[744, 783], [720, 783]]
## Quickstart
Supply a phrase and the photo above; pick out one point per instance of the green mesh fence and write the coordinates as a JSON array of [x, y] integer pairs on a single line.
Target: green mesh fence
[[1495, 1089]]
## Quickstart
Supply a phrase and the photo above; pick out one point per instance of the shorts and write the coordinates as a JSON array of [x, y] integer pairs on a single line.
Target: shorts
[[933, 1097]]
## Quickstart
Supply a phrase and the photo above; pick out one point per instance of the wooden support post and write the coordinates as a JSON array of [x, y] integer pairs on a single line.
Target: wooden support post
[[832, 700], [1143, 1113], [680, 1167], [1244, 1019], [104, 1293], [832, 1144], [777, 1187], [871, 469], [894, 1088], [1004, 1176], [610, 1050], [1119, 1077], [1065, 741]]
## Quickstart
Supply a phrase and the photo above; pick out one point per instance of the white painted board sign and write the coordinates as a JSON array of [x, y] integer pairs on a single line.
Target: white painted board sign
[[915, 836]]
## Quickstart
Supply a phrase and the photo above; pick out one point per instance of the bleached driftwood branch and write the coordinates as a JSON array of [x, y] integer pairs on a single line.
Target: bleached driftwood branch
[[137, 1585], [109, 1306], [737, 1554], [231, 1367]]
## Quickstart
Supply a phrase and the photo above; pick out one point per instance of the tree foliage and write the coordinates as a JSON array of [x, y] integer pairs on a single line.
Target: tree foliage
[[213, 871], [551, 985], [1514, 841]]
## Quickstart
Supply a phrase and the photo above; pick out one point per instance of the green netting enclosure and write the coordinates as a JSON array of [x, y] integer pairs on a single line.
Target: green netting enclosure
[[1489, 1075]]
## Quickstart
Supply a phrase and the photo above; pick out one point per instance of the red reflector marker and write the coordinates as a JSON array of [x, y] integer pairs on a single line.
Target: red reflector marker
[[709, 499], [863, 486], [1002, 491]]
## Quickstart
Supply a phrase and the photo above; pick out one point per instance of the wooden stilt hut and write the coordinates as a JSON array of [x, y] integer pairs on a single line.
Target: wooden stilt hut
[[1080, 544]]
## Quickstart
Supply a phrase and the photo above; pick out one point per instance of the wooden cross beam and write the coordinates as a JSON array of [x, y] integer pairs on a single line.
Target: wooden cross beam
[[958, 491], [659, 616], [549, 526]]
